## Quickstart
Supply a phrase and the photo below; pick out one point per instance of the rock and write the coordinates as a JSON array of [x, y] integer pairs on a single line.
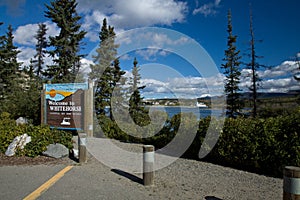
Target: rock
[[19, 142], [21, 120], [56, 151], [75, 153]]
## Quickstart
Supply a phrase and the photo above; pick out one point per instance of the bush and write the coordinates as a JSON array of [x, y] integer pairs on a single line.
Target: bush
[[8, 131], [260, 145], [41, 136]]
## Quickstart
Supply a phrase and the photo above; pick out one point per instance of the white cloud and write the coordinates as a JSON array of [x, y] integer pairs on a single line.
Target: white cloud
[[85, 66], [275, 79], [92, 24], [156, 43], [207, 9], [152, 38], [25, 55], [130, 14], [52, 29], [183, 87], [151, 54], [280, 85], [25, 35]]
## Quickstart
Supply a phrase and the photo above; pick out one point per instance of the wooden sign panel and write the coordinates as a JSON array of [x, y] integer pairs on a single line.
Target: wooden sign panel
[[64, 105]]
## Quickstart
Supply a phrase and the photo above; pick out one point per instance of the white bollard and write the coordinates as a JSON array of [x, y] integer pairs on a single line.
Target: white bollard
[[82, 147], [148, 165], [291, 183]]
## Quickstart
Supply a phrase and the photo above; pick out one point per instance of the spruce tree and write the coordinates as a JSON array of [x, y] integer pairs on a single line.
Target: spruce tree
[[137, 111], [106, 72], [2, 65], [254, 66], [40, 48], [10, 74], [66, 45], [232, 72], [9, 64]]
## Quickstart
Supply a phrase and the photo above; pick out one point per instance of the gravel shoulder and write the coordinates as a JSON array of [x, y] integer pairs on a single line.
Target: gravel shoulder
[[191, 179]]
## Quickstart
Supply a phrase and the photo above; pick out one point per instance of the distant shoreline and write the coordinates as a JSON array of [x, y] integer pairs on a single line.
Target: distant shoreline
[[177, 106]]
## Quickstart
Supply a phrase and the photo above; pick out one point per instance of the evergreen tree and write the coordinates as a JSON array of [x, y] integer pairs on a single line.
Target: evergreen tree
[[40, 48], [254, 66], [2, 65], [10, 73], [232, 72], [137, 111], [118, 82], [106, 72], [8, 57], [66, 45], [136, 77]]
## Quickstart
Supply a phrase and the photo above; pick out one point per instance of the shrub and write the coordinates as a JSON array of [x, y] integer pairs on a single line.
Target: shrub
[[41, 136], [260, 145], [8, 131]]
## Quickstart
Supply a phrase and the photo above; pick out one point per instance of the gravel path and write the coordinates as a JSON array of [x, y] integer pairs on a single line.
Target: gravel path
[[190, 179], [197, 180]]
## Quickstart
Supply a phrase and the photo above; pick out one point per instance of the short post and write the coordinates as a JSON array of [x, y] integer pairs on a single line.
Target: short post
[[89, 109], [148, 165], [291, 183], [82, 147]]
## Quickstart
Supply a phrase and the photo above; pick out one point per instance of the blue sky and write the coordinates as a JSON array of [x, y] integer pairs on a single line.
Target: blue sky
[[189, 26]]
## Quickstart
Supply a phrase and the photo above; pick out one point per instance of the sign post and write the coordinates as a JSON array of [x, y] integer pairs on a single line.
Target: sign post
[[89, 109]]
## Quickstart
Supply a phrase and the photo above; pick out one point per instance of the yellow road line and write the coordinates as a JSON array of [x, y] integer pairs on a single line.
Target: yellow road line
[[35, 194]]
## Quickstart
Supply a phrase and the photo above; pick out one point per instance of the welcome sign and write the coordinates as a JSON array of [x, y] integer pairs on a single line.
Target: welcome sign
[[64, 105]]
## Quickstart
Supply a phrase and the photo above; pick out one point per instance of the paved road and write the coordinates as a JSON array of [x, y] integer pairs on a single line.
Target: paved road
[[93, 180], [16, 182]]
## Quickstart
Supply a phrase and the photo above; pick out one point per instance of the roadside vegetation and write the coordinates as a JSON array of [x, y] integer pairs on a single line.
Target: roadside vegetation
[[41, 136]]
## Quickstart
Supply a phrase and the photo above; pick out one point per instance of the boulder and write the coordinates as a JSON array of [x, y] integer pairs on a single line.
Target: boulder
[[56, 151], [21, 120], [19, 142], [75, 153]]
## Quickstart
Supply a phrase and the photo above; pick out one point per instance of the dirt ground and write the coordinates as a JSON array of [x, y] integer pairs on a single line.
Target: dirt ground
[[39, 160]]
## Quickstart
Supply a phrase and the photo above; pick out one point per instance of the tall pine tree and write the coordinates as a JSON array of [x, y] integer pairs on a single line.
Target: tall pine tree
[[106, 72], [137, 111], [232, 72], [66, 45], [254, 66], [2, 64], [10, 73], [40, 48], [9, 64]]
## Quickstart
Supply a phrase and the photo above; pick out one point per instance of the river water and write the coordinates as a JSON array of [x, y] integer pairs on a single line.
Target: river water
[[198, 112]]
